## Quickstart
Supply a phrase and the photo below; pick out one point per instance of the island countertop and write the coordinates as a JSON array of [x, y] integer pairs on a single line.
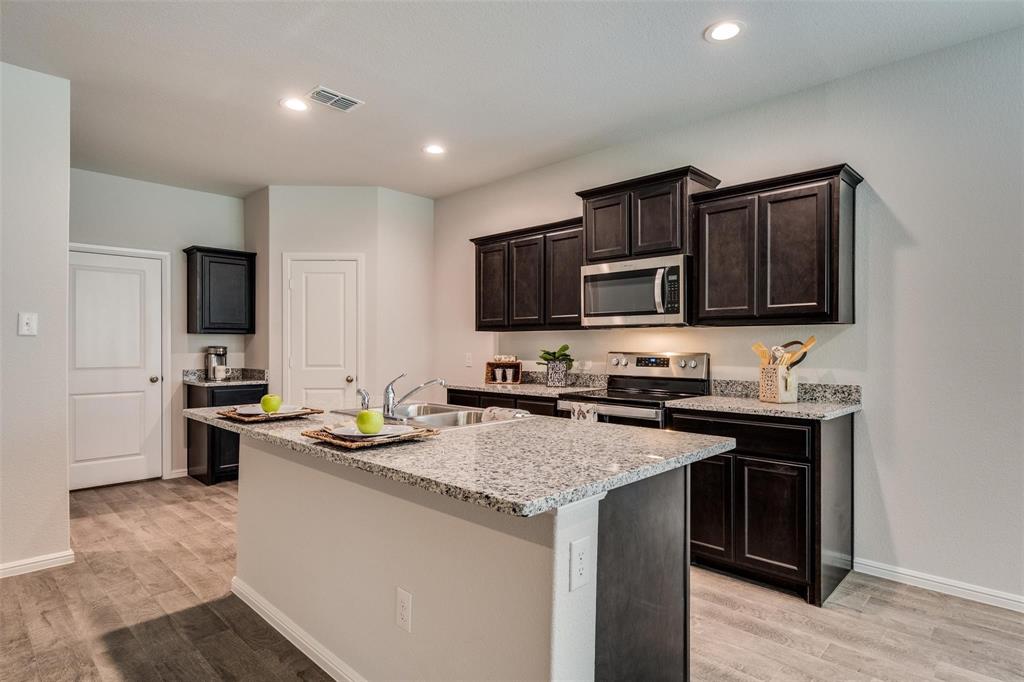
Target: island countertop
[[821, 411], [521, 467]]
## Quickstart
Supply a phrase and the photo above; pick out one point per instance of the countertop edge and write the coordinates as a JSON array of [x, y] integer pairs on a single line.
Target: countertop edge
[[813, 411], [311, 447]]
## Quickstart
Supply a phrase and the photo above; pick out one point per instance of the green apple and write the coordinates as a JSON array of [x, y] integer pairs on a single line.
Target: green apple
[[270, 403], [369, 421]]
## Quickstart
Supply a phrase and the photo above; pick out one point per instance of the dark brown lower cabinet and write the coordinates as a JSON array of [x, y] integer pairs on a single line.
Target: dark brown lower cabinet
[[779, 508], [532, 404], [213, 452]]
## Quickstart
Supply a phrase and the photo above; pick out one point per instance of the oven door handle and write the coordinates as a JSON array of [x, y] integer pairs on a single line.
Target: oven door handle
[[647, 413], [659, 279]]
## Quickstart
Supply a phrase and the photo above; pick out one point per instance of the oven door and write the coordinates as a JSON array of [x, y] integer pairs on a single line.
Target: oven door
[[645, 292], [650, 417]]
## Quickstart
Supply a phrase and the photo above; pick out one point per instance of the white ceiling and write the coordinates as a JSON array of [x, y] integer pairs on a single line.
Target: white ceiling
[[186, 93]]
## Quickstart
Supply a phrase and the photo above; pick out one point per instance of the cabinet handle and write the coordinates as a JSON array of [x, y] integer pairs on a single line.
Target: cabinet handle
[[349, 379], [154, 379]]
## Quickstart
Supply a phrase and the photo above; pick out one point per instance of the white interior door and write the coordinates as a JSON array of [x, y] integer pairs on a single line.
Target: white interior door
[[114, 420], [323, 330]]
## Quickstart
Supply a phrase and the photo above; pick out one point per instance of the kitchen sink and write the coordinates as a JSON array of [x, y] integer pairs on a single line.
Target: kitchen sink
[[435, 415], [449, 420], [417, 410]]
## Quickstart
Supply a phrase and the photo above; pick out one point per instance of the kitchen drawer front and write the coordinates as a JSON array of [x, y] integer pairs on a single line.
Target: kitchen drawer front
[[538, 406], [236, 395], [491, 400], [791, 441], [463, 398]]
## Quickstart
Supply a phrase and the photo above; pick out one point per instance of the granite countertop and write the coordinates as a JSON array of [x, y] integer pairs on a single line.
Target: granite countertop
[[224, 382], [523, 389], [521, 467], [799, 410]]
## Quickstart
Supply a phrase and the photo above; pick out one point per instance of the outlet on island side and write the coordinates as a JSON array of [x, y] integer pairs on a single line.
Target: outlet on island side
[[579, 563], [403, 609], [469, 360]]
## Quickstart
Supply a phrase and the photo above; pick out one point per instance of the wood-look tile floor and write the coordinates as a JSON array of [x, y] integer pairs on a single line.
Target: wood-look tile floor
[[148, 599]]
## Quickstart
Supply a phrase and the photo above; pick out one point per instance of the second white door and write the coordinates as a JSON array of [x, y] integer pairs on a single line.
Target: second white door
[[322, 328]]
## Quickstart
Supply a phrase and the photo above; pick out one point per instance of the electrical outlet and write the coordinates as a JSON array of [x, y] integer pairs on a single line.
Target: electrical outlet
[[403, 609], [28, 324], [579, 563], [469, 360]]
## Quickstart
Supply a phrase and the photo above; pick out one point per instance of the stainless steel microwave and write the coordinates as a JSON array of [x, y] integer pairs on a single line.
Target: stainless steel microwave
[[642, 292]]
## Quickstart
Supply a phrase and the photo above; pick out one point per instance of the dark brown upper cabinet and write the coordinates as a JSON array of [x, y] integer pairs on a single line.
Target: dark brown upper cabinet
[[492, 285], [221, 286], [529, 279], [642, 217], [563, 258], [526, 262], [777, 251]]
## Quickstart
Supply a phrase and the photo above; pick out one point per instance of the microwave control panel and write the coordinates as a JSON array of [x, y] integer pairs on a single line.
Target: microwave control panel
[[672, 290]]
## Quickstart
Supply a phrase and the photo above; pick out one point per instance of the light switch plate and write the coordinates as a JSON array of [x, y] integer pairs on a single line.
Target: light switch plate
[[28, 324]]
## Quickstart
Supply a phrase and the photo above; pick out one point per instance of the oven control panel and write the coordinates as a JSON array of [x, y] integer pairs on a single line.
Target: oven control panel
[[668, 365]]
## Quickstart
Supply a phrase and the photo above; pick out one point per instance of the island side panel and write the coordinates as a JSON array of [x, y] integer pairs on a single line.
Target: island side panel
[[326, 546], [643, 580]]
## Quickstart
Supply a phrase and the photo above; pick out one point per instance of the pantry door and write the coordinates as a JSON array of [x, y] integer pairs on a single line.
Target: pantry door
[[321, 314], [114, 369]]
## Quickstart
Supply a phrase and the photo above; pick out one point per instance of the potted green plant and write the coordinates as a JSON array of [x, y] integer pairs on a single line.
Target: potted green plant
[[558, 362]]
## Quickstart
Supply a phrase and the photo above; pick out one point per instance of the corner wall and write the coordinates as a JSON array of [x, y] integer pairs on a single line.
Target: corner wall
[[940, 293], [35, 138]]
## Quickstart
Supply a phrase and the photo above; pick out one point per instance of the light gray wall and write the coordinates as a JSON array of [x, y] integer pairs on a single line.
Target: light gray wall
[[35, 138], [940, 295], [394, 233], [107, 210]]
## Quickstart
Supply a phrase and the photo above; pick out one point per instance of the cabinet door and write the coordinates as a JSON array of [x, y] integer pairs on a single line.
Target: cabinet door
[[726, 262], [227, 293], [464, 399], [537, 406], [492, 286], [657, 221], [497, 401], [606, 222], [771, 516], [711, 490], [793, 251], [563, 258], [526, 267]]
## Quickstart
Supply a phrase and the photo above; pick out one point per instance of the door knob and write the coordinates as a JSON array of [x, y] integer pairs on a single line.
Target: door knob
[[349, 379], [154, 379]]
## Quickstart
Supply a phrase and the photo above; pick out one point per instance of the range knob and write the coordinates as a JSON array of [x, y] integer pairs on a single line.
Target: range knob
[[682, 363], [625, 361], [693, 364], [615, 362]]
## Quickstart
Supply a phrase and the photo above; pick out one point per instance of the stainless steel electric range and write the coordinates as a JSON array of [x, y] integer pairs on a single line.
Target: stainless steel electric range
[[639, 385]]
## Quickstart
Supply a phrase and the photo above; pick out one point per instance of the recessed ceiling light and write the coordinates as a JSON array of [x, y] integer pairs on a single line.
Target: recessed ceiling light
[[723, 30], [434, 149], [294, 103]]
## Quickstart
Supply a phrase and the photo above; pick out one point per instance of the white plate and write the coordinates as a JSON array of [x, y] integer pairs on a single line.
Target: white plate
[[351, 431], [257, 410]]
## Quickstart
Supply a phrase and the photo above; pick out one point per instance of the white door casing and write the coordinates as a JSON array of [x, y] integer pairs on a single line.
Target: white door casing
[[114, 351], [322, 302]]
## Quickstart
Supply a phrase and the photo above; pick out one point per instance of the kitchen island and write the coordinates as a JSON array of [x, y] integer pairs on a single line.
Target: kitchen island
[[532, 549]]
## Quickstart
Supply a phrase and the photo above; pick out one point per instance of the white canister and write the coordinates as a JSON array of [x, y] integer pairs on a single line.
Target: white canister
[[777, 385]]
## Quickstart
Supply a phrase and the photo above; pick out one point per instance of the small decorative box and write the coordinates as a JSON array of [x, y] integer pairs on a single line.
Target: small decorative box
[[778, 385]]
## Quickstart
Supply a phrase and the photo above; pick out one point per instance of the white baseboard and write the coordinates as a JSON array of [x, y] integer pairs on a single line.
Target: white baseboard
[[36, 563], [176, 473], [331, 664], [1006, 600]]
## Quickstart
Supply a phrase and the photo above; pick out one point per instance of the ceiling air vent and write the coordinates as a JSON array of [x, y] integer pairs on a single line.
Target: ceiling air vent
[[334, 99]]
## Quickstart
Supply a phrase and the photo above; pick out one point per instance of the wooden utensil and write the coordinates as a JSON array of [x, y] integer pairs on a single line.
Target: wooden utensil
[[762, 352], [801, 352]]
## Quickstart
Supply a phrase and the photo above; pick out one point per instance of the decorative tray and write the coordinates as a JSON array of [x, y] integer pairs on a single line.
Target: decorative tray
[[256, 418], [326, 436]]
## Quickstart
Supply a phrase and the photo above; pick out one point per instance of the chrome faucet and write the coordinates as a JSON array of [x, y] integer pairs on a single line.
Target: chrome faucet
[[389, 394]]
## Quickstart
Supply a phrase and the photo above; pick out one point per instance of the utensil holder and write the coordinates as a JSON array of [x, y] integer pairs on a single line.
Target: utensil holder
[[777, 385]]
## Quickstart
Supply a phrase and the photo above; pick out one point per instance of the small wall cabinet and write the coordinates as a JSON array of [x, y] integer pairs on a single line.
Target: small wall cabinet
[[778, 508], [642, 217], [221, 291], [213, 452], [529, 279], [777, 251]]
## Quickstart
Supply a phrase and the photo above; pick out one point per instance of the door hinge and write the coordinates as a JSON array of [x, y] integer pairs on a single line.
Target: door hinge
[[291, 284]]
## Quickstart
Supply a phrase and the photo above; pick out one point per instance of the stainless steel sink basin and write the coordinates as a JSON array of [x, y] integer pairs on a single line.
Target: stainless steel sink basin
[[449, 420], [417, 410]]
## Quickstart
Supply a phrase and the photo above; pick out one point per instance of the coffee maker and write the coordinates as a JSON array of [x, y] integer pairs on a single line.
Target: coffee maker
[[216, 363]]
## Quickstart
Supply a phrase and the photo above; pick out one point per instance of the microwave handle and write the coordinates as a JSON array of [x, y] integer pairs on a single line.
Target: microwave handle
[[659, 301]]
